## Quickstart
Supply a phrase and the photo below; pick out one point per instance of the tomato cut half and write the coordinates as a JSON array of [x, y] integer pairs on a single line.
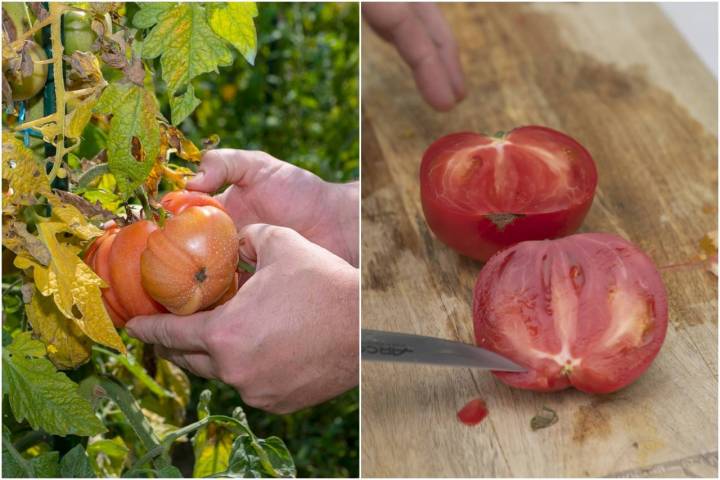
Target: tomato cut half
[[588, 311], [483, 193]]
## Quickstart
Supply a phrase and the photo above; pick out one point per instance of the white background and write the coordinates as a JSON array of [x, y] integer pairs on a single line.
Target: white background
[[698, 23]]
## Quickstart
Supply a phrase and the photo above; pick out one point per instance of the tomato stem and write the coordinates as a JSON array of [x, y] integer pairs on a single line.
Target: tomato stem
[[246, 267]]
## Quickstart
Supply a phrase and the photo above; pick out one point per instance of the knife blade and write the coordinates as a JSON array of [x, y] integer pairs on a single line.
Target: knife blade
[[382, 346]]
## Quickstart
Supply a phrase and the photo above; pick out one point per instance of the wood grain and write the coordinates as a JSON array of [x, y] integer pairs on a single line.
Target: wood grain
[[622, 81]]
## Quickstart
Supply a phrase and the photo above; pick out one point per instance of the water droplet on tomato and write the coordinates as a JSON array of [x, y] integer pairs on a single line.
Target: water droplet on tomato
[[473, 412]]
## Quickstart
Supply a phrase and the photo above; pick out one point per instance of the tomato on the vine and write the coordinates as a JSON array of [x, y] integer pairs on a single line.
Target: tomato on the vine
[[27, 86], [191, 262], [483, 193], [589, 311], [185, 265], [78, 34]]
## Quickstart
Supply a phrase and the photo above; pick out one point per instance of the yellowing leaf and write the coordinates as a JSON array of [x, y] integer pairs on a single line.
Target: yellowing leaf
[[73, 219], [76, 288], [67, 347], [20, 241], [234, 22], [25, 175], [41, 273], [186, 45], [78, 119]]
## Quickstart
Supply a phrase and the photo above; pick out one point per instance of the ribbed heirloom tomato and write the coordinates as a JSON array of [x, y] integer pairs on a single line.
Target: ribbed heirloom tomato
[[186, 265], [191, 262], [588, 311], [481, 193]]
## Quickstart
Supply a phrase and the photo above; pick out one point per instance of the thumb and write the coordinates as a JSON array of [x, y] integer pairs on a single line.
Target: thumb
[[262, 244], [229, 166]]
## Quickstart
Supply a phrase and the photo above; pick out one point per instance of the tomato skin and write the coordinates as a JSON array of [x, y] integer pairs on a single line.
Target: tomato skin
[[24, 88], [176, 202], [588, 311], [482, 222], [125, 275], [191, 262]]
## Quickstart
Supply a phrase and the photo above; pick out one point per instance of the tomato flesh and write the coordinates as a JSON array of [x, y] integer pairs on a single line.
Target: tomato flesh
[[473, 412], [481, 193], [588, 311]]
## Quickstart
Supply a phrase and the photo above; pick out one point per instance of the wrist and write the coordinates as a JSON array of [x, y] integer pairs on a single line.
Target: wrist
[[344, 222]]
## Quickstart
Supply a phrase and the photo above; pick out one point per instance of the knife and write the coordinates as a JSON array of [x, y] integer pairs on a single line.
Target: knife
[[383, 346]]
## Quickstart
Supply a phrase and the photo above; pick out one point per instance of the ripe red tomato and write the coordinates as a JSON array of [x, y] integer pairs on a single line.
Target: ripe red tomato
[[191, 262], [481, 194], [588, 311], [187, 265]]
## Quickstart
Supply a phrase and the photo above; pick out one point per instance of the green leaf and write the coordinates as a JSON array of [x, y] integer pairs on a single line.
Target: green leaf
[[234, 22], [134, 132], [13, 464], [42, 395], [169, 472], [76, 464], [183, 105], [186, 45], [46, 465], [148, 14], [257, 457]]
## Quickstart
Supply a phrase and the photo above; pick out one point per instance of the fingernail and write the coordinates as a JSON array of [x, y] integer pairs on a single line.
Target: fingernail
[[197, 178]]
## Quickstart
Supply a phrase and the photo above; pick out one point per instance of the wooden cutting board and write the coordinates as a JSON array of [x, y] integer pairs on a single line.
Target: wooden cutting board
[[623, 82]]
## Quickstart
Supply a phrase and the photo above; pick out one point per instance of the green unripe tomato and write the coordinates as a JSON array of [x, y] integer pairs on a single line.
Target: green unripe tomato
[[27, 87], [78, 32]]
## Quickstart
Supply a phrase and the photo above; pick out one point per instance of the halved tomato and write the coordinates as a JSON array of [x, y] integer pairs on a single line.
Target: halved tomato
[[588, 311], [481, 193]]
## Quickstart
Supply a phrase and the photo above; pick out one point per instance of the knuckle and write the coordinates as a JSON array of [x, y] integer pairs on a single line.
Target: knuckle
[[216, 340]]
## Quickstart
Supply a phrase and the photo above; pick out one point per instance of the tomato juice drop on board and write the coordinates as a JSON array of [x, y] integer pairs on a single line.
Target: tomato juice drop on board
[[473, 412], [483, 193]]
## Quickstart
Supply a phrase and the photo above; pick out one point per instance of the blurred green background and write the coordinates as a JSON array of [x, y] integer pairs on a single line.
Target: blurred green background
[[299, 102]]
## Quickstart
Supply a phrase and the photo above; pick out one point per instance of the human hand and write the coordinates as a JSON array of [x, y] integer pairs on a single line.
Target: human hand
[[424, 40], [289, 337], [267, 190]]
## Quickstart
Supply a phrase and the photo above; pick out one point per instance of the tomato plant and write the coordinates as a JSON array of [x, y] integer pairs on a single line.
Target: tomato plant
[[96, 147], [588, 311], [26, 83], [483, 193]]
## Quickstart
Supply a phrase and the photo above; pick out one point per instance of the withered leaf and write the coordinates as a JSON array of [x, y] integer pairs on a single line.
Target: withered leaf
[[92, 211], [39, 10], [545, 418], [9, 31]]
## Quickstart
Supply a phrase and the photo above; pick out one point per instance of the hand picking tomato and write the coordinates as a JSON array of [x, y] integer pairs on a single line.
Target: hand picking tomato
[[588, 311], [481, 193], [187, 265]]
